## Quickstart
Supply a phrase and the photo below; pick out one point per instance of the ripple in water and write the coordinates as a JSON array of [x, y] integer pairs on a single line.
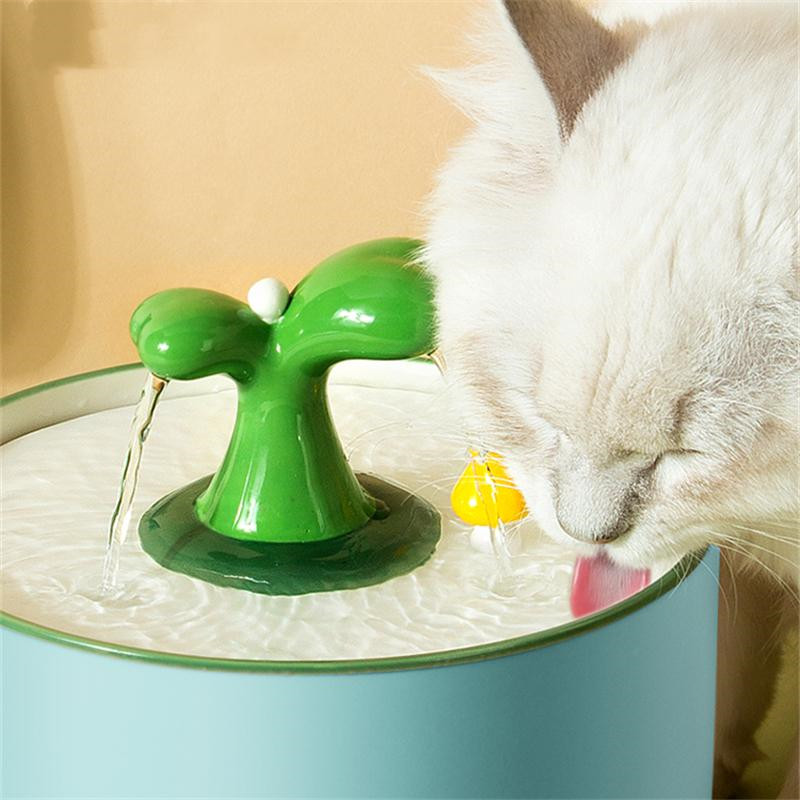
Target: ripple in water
[[59, 483]]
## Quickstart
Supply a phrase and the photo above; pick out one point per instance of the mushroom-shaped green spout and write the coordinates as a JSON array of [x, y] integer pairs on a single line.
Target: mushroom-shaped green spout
[[285, 477]]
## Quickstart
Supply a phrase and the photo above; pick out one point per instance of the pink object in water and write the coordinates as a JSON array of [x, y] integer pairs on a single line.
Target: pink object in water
[[598, 582]]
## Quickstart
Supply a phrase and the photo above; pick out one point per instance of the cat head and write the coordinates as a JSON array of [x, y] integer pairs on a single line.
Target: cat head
[[615, 246]]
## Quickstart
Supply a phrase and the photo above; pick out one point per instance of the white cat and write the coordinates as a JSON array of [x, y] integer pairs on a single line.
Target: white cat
[[615, 245]]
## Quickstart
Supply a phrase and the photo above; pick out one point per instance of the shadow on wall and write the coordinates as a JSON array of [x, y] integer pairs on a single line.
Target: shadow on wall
[[38, 204], [156, 144]]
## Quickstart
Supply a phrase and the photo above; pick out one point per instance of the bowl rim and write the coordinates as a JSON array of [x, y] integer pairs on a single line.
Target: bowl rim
[[440, 658]]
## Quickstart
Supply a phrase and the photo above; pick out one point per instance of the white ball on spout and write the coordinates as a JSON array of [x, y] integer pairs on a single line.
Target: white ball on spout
[[268, 298]]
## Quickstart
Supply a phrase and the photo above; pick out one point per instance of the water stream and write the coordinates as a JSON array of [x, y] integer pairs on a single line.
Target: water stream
[[121, 517]]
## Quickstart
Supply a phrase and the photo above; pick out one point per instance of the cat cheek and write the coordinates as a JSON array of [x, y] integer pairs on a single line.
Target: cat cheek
[[675, 474]]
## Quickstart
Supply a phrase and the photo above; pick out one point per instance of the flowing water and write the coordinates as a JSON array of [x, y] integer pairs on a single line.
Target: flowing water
[[121, 516], [503, 540], [59, 482]]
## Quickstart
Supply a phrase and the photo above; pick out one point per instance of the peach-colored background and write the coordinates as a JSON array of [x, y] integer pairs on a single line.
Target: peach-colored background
[[157, 144]]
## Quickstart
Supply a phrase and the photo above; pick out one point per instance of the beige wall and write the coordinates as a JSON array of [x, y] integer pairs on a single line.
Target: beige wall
[[157, 144]]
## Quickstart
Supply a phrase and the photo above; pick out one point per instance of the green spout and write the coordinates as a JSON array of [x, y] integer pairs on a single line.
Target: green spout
[[285, 477]]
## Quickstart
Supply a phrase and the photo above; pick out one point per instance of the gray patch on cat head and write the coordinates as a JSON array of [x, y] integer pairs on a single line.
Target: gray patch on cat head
[[573, 52]]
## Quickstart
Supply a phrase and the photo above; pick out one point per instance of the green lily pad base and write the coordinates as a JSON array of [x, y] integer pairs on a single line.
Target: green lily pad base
[[387, 546]]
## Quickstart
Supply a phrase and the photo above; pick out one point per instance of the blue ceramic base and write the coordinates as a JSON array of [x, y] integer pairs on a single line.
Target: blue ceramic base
[[623, 710]]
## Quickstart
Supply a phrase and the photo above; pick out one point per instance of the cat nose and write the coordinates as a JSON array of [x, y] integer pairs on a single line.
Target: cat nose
[[597, 503], [595, 531]]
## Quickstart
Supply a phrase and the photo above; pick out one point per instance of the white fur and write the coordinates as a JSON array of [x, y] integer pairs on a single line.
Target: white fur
[[652, 255], [595, 292], [612, 12]]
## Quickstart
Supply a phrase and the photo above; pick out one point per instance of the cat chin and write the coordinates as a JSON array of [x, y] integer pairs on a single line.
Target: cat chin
[[628, 555], [648, 546]]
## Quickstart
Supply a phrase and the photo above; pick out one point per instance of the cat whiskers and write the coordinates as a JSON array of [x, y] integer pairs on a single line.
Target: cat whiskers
[[678, 560], [767, 535], [747, 544], [743, 404], [687, 570], [735, 545], [403, 428], [727, 556]]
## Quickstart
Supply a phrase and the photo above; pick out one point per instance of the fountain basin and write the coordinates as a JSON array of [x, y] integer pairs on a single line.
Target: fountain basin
[[616, 704]]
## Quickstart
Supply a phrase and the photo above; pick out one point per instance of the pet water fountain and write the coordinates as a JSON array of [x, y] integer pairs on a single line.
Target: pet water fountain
[[311, 619]]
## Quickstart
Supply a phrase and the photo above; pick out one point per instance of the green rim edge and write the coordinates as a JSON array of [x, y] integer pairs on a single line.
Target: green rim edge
[[81, 376], [464, 655]]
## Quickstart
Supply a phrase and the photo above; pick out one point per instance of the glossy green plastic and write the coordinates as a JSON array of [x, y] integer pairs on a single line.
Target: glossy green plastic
[[285, 477], [399, 538]]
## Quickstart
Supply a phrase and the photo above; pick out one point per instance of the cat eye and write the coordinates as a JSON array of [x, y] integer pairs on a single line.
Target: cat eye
[[621, 455], [678, 452], [630, 455], [683, 452]]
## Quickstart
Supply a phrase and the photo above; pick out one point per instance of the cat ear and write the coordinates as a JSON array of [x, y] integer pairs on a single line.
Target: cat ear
[[572, 51], [516, 137]]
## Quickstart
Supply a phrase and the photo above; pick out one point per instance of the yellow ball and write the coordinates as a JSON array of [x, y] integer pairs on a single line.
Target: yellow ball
[[485, 494]]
